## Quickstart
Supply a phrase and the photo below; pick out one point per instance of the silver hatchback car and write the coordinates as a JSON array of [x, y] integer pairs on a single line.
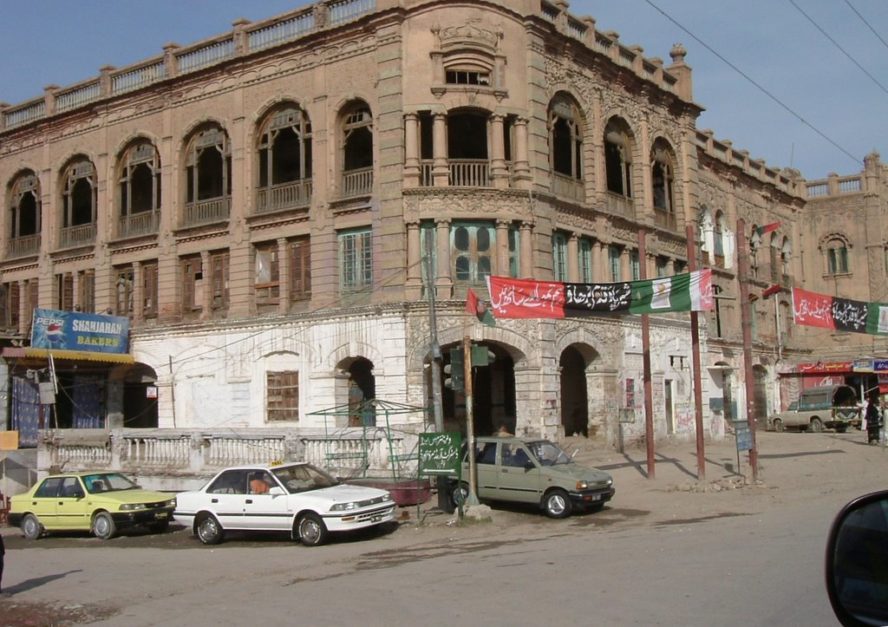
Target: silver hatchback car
[[524, 470]]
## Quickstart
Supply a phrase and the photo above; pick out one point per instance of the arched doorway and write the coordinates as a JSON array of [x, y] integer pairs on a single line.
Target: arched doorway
[[574, 392], [140, 397], [493, 393], [361, 387]]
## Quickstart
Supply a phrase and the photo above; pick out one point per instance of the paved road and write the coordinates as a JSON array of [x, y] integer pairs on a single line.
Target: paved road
[[663, 554]]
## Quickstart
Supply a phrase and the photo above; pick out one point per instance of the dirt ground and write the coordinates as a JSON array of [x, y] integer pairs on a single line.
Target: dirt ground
[[792, 468]]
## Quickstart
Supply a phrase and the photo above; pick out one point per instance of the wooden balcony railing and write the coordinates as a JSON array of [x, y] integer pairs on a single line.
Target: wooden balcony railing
[[620, 205], [664, 219], [80, 235], [207, 211], [357, 182], [469, 173], [23, 246], [568, 187], [133, 225], [286, 196]]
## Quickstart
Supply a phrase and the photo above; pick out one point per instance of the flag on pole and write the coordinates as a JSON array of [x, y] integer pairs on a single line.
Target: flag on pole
[[682, 292], [774, 289], [479, 308], [767, 228]]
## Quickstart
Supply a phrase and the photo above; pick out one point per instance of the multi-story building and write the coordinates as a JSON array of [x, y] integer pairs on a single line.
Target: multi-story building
[[270, 207]]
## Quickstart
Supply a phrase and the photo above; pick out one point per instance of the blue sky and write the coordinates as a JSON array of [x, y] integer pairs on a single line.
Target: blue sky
[[54, 41]]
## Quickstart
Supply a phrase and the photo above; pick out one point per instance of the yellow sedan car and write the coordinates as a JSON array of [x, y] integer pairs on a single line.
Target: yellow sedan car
[[99, 502]]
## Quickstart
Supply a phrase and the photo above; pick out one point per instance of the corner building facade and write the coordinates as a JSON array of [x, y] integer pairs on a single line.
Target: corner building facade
[[270, 206]]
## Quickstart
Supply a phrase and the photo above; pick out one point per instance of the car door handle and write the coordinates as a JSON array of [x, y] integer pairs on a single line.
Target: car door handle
[[214, 500], [61, 502], [249, 500]]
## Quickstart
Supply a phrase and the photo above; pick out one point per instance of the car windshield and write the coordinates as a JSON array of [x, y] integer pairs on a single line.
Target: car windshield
[[547, 453], [303, 478], [108, 482]]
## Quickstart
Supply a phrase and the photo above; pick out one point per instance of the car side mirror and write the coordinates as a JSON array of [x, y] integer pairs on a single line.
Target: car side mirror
[[857, 561], [276, 491]]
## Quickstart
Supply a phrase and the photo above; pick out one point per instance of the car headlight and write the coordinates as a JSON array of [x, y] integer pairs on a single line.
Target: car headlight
[[582, 485], [170, 503], [128, 507], [344, 507]]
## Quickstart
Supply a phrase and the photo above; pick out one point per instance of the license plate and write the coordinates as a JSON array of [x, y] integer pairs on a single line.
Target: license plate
[[161, 515], [596, 497]]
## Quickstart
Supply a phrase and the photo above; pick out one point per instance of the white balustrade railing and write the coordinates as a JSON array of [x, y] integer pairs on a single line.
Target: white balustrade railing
[[80, 96], [25, 114], [181, 452], [280, 32], [137, 78], [21, 246], [145, 223], [205, 56], [345, 10]]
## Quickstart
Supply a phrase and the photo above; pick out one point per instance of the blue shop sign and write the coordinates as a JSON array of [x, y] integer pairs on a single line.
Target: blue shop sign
[[77, 331], [880, 365]]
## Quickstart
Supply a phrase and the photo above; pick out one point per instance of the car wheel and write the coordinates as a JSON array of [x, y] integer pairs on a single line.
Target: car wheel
[[458, 494], [816, 425], [159, 527], [209, 531], [778, 425], [557, 504], [31, 527], [311, 530], [103, 526]]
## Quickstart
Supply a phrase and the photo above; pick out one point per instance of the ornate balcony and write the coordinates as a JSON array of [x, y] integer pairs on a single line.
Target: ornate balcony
[[136, 224], [207, 211], [285, 196], [81, 235], [23, 246]]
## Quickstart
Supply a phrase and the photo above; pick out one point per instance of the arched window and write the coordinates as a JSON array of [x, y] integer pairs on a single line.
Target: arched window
[[618, 158], [24, 214], [565, 138], [836, 251], [285, 160], [662, 181], [139, 189], [208, 174], [78, 203], [357, 150], [718, 239]]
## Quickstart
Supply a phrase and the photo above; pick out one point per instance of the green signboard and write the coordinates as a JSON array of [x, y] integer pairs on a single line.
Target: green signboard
[[439, 453]]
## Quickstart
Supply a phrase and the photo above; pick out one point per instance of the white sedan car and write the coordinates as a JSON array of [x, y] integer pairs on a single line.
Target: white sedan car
[[298, 498]]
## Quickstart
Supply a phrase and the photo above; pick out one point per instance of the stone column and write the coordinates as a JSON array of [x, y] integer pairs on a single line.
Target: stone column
[[502, 248], [284, 273], [573, 258], [411, 150], [499, 174], [440, 167], [521, 163], [24, 314], [138, 293], [606, 263], [206, 305], [443, 282], [625, 265], [598, 268], [413, 286], [527, 250]]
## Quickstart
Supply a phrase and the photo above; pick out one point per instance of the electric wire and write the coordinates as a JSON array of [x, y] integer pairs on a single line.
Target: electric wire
[[868, 25], [756, 84], [837, 45]]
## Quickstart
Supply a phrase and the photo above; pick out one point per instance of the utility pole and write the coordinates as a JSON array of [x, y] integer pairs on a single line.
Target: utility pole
[[434, 348], [746, 323], [690, 235], [646, 362], [435, 362], [470, 421]]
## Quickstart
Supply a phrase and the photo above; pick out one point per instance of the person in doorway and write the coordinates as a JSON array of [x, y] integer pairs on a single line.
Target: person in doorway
[[873, 418]]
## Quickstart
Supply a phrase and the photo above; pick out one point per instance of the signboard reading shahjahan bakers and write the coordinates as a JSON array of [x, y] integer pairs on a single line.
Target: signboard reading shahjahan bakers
[[60, 331]]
